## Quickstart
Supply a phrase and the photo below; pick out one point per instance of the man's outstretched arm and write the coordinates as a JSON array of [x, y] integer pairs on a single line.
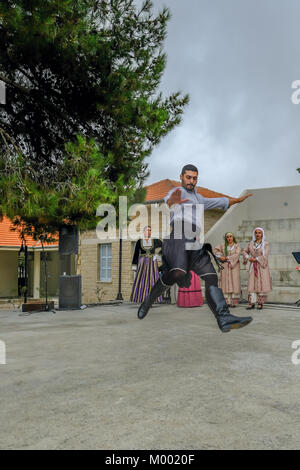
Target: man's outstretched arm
[[237, 200]]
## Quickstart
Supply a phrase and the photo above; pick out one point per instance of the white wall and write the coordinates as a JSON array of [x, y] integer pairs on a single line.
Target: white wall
[[265, 204]]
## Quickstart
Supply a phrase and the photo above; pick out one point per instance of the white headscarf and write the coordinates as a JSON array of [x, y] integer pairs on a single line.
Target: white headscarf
[[263, 238]]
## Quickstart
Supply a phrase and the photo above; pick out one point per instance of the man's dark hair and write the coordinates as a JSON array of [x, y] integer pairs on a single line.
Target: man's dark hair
[[189, 168]]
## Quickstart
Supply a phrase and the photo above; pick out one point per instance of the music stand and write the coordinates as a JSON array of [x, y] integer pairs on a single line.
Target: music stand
[[296, 255]]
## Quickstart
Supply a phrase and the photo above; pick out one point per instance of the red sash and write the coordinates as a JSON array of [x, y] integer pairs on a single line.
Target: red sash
[[255, 268]]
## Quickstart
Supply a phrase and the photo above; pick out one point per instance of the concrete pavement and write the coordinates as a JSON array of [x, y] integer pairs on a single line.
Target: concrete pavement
[[102, 379]]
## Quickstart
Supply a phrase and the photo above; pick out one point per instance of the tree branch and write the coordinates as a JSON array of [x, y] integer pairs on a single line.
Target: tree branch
[[16, 85]]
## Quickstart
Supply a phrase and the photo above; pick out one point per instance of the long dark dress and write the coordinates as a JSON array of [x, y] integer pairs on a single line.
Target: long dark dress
[[147, 270]]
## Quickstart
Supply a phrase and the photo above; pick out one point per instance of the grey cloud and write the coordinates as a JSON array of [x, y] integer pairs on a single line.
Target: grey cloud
[[237, 59]]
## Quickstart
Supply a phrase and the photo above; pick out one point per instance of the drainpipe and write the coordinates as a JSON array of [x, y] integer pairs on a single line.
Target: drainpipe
[[119, 296]]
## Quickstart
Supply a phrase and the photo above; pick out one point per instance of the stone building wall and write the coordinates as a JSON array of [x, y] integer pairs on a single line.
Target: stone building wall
[[93, 289]]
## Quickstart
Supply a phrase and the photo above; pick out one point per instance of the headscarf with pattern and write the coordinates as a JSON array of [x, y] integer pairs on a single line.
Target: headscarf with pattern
[[263, 238], [226, 242]]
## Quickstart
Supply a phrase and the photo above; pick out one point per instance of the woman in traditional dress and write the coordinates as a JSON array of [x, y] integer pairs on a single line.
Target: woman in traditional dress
[[190, 296], [259, 278], [230, 280], [144, 262]]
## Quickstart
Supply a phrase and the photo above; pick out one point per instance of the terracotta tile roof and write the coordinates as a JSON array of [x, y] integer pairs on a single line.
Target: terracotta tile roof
[[159, 190], [12, 238]]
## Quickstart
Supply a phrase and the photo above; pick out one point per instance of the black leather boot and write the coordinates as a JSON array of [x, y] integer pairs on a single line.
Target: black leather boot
[[217, 304], [157, 290]]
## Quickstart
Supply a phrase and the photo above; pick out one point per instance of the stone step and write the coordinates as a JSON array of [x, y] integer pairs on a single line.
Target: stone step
[[271, 224], [280, 294], [284, 248], [275, 248], [277, 263], [282, 263], [276, 230], [287, 278]]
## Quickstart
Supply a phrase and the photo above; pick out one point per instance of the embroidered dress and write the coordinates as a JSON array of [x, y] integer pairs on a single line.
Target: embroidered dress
[[147, 269], [230, 279], [259, 278], [191, 296]]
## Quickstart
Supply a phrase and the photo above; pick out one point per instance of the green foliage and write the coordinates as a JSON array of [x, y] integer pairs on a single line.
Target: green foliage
[[83, 109], [65, 200], [139, 196]]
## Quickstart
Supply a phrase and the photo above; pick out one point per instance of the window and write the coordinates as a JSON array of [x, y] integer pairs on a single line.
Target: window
[[105, 262]]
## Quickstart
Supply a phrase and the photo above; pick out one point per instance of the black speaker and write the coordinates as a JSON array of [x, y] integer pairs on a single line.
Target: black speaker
[[69, 292], [68, 240]]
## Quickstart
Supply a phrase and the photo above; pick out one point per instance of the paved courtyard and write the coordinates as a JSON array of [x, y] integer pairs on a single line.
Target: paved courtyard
[[100, 378]]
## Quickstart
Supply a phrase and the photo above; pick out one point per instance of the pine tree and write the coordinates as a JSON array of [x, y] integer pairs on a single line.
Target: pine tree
[[83, 108]]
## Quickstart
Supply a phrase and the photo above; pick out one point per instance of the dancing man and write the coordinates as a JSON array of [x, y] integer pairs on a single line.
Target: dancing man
[[185, 253]]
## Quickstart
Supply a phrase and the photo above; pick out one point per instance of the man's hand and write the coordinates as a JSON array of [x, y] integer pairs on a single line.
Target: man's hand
[[175, 198], [237, 200]]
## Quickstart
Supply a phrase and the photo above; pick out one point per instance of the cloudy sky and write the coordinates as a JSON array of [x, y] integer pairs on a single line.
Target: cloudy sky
[[237, 60]]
